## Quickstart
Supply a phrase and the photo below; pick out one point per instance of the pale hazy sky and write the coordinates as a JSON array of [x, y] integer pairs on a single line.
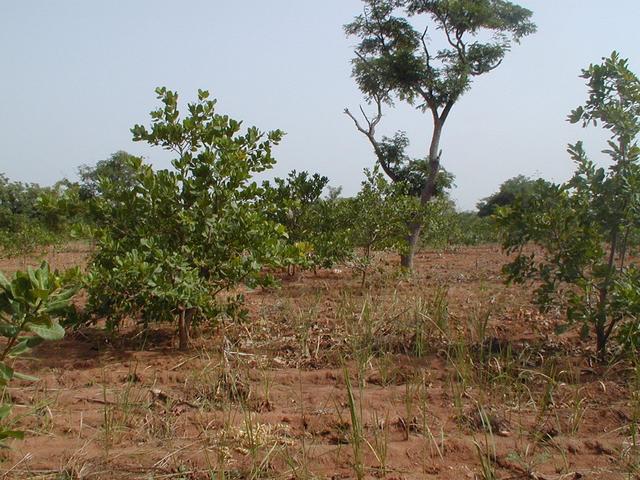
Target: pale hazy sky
[[76, 75]]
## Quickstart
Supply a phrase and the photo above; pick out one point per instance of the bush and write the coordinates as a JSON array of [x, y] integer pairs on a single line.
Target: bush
[[30, 306], [296, 203], [584, 227], [168, 246]]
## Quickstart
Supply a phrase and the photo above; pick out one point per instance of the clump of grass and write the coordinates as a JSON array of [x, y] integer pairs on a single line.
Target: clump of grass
[[420, 321], [439, 307], [387, 369], [217, 383], [361, 338], [478, 327], [412, 391], [546, 401], [108, 421], [431, 443], [578, 407], [487, 452], [304, 319], [356, 432], [528, 459], [429, 321], [380, 444]]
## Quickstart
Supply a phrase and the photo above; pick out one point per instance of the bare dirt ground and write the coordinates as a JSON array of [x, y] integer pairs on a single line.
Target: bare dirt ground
[[446, 374]]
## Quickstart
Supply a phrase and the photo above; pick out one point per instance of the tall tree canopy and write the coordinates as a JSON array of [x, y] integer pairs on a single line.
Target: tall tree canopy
[[510, 190], [116, 169], [396, 59]]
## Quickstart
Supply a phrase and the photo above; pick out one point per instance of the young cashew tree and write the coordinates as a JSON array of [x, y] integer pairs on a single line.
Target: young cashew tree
[[376, 218], [293, 203], [397, 60], [585, 227], [170, 244]]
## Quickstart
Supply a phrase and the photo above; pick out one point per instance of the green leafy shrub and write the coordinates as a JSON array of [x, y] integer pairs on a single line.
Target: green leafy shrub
[[117, 169], [519, 186], [584, 228], [330, 238], [377, 218], [30, 307], [168, 246], [296, 203], [466, 228]]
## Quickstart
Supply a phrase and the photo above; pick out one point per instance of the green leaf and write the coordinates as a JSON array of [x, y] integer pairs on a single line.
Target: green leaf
[[11, 434], [24, 345], [47, 332], [9, 331], [18, 349], [4, 283], [59, 305], [5, 410], [6, 372], [23, 376]]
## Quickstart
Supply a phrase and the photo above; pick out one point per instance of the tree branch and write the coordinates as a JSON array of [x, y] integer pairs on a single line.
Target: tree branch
[[370, 133], [446, 111]]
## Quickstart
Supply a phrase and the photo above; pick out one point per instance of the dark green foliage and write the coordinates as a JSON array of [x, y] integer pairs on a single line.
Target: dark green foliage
[[394, 56], [331, 241], [30, 306], [410, 171], [116, 170], [378, 214], [18, 202], [519, 186], [585, 227], [175, 240]]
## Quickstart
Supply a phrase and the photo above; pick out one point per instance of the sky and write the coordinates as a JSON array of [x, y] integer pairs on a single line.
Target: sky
[[76, 75]]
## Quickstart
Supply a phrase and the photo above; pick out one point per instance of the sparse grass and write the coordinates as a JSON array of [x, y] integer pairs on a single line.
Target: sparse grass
[[432, 444], [412, 392], [578, 406], [528, 459], [439, 377]]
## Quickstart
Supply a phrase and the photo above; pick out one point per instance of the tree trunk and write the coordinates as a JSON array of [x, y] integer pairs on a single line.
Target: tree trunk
[[183, 328], [429, 189], [601, 341], [427, 193], [413, 241], [366, 265], [602, 330]]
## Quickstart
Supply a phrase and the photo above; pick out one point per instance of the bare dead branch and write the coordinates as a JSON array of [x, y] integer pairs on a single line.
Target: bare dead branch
[[365, 116], [356, 122], [370, 133]]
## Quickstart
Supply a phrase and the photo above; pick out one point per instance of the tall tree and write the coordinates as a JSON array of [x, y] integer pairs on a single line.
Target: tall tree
[[397, 61], [116, 169], [519, 186]]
